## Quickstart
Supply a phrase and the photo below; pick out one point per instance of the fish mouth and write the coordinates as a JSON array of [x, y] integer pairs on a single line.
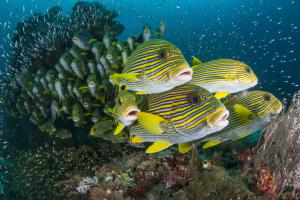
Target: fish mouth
[[183, 73], [132, 113], [76, 119], [219, 119]]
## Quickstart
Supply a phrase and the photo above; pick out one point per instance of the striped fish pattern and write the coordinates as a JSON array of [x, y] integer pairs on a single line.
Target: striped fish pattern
[[126, 108], [224, 75], [159, 65], [187, 109], [264, 107]]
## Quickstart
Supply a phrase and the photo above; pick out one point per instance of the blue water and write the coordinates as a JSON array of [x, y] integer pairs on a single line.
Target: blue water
[[264, 34]]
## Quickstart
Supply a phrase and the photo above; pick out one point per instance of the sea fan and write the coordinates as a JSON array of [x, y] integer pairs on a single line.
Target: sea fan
[[280, 148]]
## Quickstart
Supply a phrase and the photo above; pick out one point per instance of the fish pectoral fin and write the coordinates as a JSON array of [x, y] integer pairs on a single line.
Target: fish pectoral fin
[[119, 128], [83, 88], [221, 95], [114, 78], [158, 146], [87, 114], [92, 40], [243, 136], [141, 93], [154, 124], [136, 140], [242, 110], [195, 61], [210, 143], [184, 147]]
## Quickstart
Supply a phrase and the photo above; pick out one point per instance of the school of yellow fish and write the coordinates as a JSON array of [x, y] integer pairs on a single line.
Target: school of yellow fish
[[158, 96]]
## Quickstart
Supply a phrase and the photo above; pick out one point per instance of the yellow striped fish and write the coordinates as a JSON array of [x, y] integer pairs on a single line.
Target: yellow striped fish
[[125, 110], [223, 76], [249, 112], [179, 116], [154, 66]]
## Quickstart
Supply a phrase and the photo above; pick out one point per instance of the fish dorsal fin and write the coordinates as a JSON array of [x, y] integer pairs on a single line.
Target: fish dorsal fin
[[158, 146], [221, 95], [154, 124], [210, 143], [196, 61], [242, 110], [184, 147], [136, 140], [119, 128]]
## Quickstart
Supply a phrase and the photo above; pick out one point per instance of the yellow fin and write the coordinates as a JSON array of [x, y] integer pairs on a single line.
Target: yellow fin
[[196, 61], [184, 147], [154, 124], [83, 53], [243, 136], [126, 76], [242, 110], [119, 128], [210, 143], [111, 110], [83, 88], [220, 95], [87, 114], [136, 140], [92, 40], [158, 146], [141, 93]]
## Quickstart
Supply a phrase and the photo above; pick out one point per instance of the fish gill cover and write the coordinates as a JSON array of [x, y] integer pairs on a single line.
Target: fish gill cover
[[79, 108]]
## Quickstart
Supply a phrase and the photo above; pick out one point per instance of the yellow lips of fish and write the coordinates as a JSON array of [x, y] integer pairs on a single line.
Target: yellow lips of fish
[[219, 117], [182, 72]]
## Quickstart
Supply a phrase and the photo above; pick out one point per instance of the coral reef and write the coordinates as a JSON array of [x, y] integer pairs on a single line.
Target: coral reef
[[39, 174], [279, 151]]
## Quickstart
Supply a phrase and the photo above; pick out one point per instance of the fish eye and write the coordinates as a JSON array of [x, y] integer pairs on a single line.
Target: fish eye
[[195, 99], [123, 87], [248, 70], [266, 97], [162, 54]]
